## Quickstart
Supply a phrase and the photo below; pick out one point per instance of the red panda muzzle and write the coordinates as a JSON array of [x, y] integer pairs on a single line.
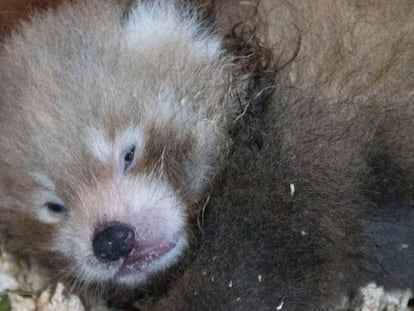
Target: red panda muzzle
[[113, 243]]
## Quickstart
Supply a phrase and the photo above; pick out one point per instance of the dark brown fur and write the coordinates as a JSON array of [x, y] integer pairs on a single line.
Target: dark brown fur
[[339, 128]]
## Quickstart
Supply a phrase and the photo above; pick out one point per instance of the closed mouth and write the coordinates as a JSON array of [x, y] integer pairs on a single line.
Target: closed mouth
[[141, 257]]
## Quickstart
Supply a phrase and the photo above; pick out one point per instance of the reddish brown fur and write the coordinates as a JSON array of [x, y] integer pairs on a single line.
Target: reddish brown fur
[[47, 114], [338, 127]]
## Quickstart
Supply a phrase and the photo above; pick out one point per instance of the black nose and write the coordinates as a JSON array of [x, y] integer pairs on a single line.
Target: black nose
[[113, 242]]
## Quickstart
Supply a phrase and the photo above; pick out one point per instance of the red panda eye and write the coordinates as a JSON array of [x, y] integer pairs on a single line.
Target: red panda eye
[[55, 207], [129, 158]]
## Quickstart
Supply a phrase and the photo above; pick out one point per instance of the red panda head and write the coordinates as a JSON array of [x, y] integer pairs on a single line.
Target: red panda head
[[111, 130]]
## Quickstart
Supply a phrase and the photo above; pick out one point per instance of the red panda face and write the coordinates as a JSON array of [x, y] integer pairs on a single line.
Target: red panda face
[[110, 133]]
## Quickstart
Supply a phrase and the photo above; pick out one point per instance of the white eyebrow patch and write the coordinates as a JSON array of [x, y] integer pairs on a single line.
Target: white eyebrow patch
[[107, 150], [98, 144], [44, 181]]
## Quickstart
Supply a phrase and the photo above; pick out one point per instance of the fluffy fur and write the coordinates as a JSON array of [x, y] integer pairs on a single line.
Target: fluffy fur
[[83, 88], [338, 127]]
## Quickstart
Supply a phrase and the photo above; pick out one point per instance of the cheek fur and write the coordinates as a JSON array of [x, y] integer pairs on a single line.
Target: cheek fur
[[30, 237], [188, 158], [149, 206], [153, 197], [165, 155]]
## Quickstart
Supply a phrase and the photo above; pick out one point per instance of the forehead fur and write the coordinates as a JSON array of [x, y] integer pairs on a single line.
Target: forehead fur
[[69, 70]]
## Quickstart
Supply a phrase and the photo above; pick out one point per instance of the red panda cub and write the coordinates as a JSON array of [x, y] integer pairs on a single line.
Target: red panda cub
[[114, 120], [116, 117]]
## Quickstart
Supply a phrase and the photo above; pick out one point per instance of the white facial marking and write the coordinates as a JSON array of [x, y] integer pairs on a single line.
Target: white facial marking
[[98, 144], [45, 194], [42, 212], [44, 181], [114, 152], [148, 205], [151, 23]]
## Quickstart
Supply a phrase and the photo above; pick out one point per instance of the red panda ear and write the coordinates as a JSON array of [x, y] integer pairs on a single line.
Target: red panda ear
[[149, 24]]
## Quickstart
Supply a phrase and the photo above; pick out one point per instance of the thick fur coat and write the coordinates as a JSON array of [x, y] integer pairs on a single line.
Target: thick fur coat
[[321, 204], [113, 126], [316, 197]]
